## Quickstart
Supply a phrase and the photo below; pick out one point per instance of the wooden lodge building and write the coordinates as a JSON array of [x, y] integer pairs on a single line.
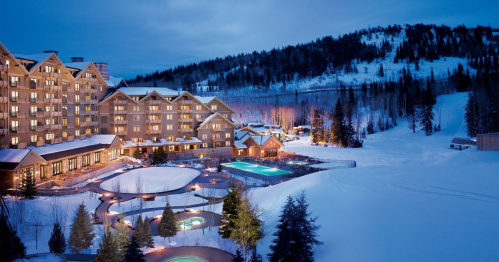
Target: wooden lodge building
[[250, 144]]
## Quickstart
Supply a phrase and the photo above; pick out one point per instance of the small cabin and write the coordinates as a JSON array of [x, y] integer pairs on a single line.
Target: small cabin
[[462, 143]]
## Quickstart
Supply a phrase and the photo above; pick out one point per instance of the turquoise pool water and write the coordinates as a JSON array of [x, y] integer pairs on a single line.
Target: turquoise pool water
[[189, 223], [185, 259], [297, 163], [262, 170]]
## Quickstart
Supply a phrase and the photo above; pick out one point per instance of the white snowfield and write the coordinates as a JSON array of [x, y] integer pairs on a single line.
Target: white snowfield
[[153, 179], [411, 197], [186, 199]]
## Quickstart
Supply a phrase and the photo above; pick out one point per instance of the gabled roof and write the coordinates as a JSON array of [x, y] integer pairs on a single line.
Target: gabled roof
[[209, 99], [117, 91], [154, 92], [142, 91], [89, 65], [11, 159], [40, 59], [239, 144], [193, 97], [13, 58], [261, 140], [115, 81], [238, 134], [211, 117], [255, 130], [205, 99]]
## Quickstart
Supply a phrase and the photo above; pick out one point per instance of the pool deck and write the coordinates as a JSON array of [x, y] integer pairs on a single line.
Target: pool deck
[[208, 253]]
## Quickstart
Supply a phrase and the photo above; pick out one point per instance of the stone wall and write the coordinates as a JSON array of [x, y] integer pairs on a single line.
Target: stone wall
[[213, 152], [98, 172]]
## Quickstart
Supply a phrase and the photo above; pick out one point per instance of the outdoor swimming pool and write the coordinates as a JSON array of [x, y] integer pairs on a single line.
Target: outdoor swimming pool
[[297, 163], [189, 223], [261, 170], [185, 259]]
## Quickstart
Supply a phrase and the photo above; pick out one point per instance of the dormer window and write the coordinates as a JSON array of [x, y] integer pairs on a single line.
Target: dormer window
[[213, 107], [49, 69], [88, 75]]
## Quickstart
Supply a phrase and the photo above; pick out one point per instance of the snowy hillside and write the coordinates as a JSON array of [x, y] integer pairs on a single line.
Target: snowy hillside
[[411, 198]]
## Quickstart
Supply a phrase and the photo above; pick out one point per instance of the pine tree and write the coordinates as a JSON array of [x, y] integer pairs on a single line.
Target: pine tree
[[229, 212], [370, 127], [11, 246], [108, 248], [381, 72], [247, 230], [412, 118], [168, 224], [82, 230], [136, 152], [57, 241], [28, 190], [338, 126], [139, 232], [308, 231], [425, 112], [470, 116], [148, 239], [255, 257], [238, 257], [121, 236], [280, 248], [133, 251]]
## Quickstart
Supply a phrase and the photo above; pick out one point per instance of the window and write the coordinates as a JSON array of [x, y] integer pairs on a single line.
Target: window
[[72, 163], [186, 147], [33, 125], [77, 131], [65, 134], [169, 117], [87, 119], [136, 128], [155, 127], [185, 107], [85, 160], [120, 118], [227, 135], [49, 82], [87, 108], [77, 120], [77, 110], [57, 168], [226, 115], [213, 107], [15, 140], [227, 143], [96, 157], [185, 116], [14, 80], [88, 75], [119, 129], [49, 69], [114, 154], [205, 145], [169, 127], [136, 118], [77, 87], [153, 107], [64, 122], [25, 174], [49, 136], [33, 96], [14, 96], [216, 127], [134, 140], [198, 107], [136, 108], [7, 63], [77, 98], [154, 139], [88, 131], [171, 148], [169, 108], [87, 87], [119, 108], [153, 117], [34, 138], [185, 126], [15, 125], [205, 136], [198, 117], [33, 110], [14, 111]]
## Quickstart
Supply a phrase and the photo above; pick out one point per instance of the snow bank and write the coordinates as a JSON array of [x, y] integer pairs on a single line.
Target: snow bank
[[46, 258], [154, 179], [186, 199]]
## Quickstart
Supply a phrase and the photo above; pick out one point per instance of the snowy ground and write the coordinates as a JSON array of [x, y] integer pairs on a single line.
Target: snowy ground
[[215, 208], [153, 179], [38, 211], [45, 258], [175, 200], [411, 198], [88, 181]]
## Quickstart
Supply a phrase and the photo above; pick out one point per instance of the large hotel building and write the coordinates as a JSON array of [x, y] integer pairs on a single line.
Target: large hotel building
[[60, 121]]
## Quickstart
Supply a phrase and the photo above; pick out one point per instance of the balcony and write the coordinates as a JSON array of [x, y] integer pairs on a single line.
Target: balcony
[[38, 143], [82, 137], [218, 139], [53, 127], [39, 128], [85, 102], [93, 123], [121, 133], [67, 87], [185, 120], [119, 112], [153, 111], [93, 90], [18, 129], [185, 130], [3, 83], [52, 74], [186, 110], [4, 67], [200, 119], [3, 99], [19, 146], [55, 113], [3, 131], [35, 100], [153, 131], [217, 129], [119, 122], [120, 102], [17, 85], [72, 125], [18, 114], [16, 99], [153, 121], [3, 115], [34, 85], [52, 100], [55, 141], [93, 112], [32, 128], [69, 138], [185, 102], [66, 113], [39, 113], [154, 102]]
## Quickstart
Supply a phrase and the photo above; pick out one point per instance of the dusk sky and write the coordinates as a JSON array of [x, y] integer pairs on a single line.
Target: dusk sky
[[136, 37]]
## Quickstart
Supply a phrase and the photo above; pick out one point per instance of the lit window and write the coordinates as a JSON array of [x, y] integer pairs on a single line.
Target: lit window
[[205, 136], [169, 108], [136, 118], [169, 127], [227, 143], [34, 138], [205, 145], [198, 107], [77, 132], [15, 140], [227, 135], [136, 128], [213, 107], [169, 117]]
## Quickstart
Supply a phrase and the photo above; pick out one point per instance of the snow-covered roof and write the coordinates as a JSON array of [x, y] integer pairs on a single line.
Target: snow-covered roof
[[13, 155], [142, 91], [77, 65], [114, 81], [40, 57], [261, 140], [256, 124], [211, 117], [301, 127], [205, 99], [258, 129], [276, 130], [273, 126], [162, 142], [239, 144], [64, 146], [464, 141], [238, 135]]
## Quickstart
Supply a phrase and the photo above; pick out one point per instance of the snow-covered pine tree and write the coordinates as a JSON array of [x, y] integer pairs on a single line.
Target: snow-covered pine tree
[[148, 239], [11, 246], [121, 236], [139, 232], [82, 230], [229, 212], [108, 248], [57, 241], [133, 251], [136, 152], [370, 127], [168, 225]]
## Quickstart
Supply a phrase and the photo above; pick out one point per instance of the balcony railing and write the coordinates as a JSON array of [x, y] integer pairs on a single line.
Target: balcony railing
[[55, 113], [35, 100], [3, 83], [18, 114], [17, 85], [185, 130], [185, 102], [153, 121], [118, 133], [82, 137], [218, 139], [119, 122], [34, 85], [154, 102], [52, 74], [120, 102], [119, 112], [16, 99], [55, 141], [93, 123], [3, 115], [67, 87], [94, 113], [3, 131], [184, 120], [38, 143], [72, 125], [52, 100], [186, 110], [40, 128], [69, 138], [215, 129], [4, 67], [153, 111], [153, 131], [19, 146], [18, 129]]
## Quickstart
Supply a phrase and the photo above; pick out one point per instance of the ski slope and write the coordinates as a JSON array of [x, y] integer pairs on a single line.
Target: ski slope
[[411, 197]]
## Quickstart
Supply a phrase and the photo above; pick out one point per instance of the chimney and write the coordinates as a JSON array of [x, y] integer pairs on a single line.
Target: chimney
[[76, 59], [51, 51], [102, 67]]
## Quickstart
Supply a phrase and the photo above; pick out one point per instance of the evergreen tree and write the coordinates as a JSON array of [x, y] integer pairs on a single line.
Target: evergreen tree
[[238, 257], [57, 241], [316, 131], [28, 190], [370, 127], [121, 236], [11, 246], [471, 117], [425, 113], [381, 72], [255, 257], [139, 232], [82, 230], [412, 118], [307, 229], [136, 152], [338, 135], [247, 230], [148, 239], [133, 251], [280, 248], [168, 224], [108, 248], [229, 212]]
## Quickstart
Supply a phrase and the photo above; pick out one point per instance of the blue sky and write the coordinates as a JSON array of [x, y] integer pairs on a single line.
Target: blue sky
[[141, 36]]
